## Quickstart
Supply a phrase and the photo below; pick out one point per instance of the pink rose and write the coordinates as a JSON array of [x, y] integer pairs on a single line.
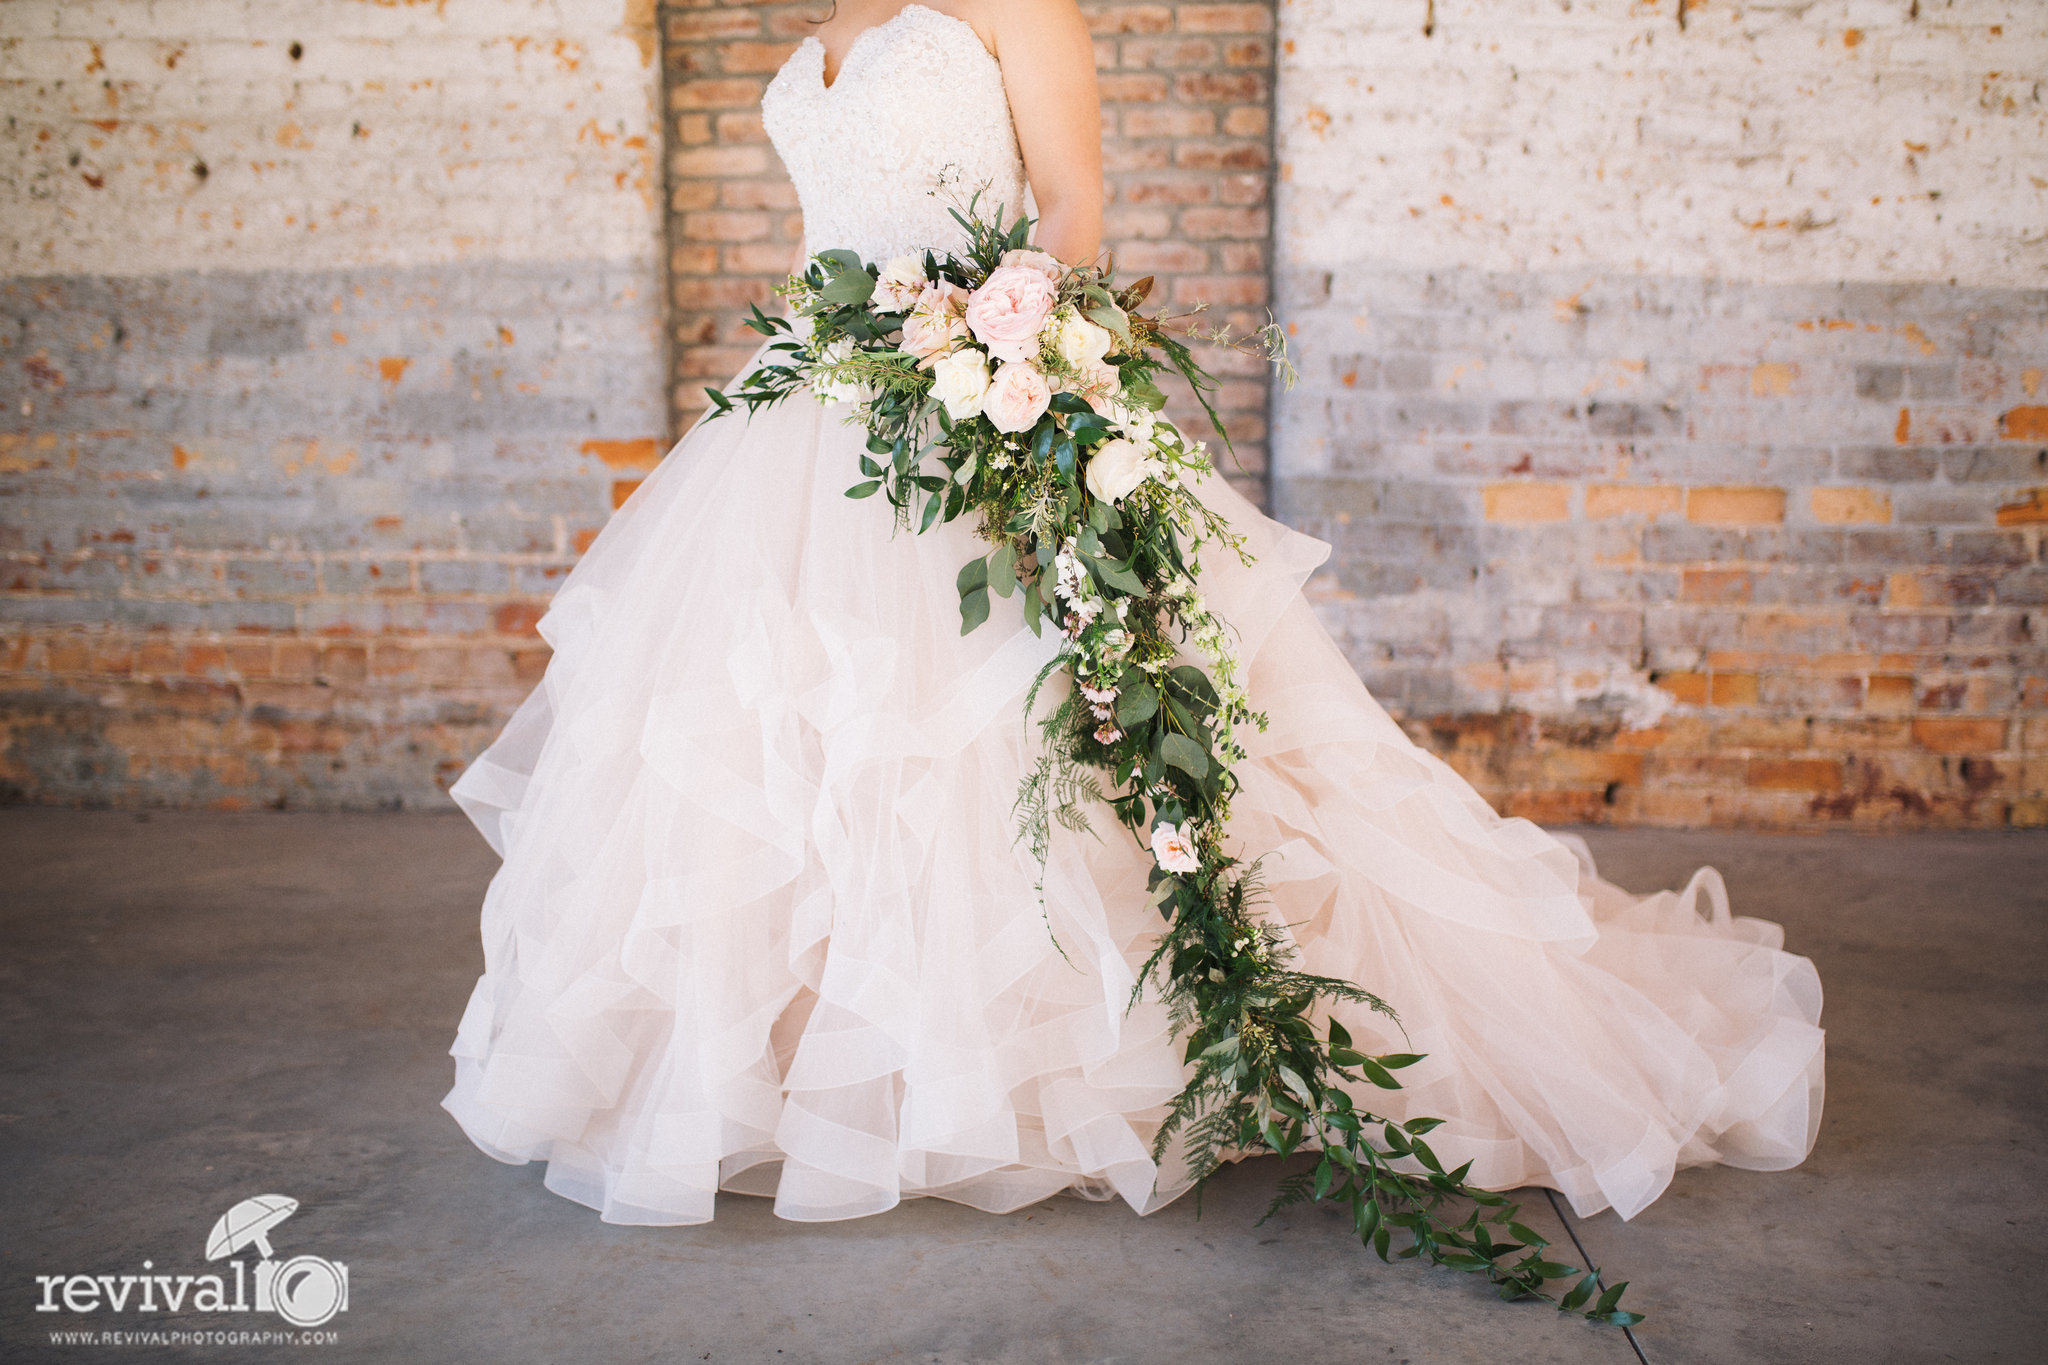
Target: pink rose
[[1009, 311], [936, 321], [1031, 258], [1173, 846], [1016, 397]]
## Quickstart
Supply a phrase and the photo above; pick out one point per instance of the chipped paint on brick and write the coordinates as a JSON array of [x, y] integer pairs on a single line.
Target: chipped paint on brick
[[1808, 515]]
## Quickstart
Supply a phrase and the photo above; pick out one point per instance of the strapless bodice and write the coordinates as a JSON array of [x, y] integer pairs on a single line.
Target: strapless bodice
[[914, 124]]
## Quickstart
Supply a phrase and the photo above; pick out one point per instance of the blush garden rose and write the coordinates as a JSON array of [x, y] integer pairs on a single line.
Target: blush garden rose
[[1017, 397], [936, 322], [1009, 310]]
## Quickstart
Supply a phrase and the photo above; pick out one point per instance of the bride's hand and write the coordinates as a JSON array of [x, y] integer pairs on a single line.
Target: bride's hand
[[1048, 63]]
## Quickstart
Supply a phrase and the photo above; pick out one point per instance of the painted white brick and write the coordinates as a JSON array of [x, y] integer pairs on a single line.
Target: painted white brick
[[404, 135], [1760, 143]]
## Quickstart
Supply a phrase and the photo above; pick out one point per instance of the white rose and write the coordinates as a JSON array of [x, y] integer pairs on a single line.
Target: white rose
[[1174, 848], [1080, 342], [899, 285], [1116, 468], [959, 380]]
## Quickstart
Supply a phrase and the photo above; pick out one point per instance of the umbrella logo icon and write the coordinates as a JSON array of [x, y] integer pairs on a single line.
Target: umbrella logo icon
[[305, 1291]]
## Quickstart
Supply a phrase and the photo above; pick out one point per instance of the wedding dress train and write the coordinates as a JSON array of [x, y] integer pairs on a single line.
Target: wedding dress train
[[763, 923]]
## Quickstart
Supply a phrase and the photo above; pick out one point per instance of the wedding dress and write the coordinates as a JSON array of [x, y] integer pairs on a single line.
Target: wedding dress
[[763, 922]]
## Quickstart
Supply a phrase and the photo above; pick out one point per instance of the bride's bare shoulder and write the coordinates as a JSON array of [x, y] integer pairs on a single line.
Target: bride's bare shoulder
[[1021, 22]]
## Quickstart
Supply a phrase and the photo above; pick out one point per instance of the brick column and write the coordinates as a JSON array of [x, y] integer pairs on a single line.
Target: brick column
[[1187, 125]]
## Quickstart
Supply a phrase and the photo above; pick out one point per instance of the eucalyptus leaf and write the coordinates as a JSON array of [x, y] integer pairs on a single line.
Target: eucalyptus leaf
[[849, 289], [1184, 754], [1136, 704], [1002, 569], [973, 609]]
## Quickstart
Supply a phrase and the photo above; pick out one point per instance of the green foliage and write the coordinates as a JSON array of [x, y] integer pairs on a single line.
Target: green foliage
[[1145, 729]]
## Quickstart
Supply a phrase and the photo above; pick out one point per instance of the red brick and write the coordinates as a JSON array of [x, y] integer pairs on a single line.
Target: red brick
[[702, 24], [1687, 688], [1222, 222], [693, 194], [1120, 224], [1249, 120], [1960, 735], [2024, 424], [1735, 506], [726, 225], [693, 258], [1221, 156], [719, 161], [1716, 585], [344, 663], [1522, 502], [1169, 54], [1218, 87], [1120, 156], [757, 194], [1220, 289], [1115, 19], [1732, 689], [1243, 189], [738, 129], [2031, 509], [1168, 121], [753, 57], [1242, 257], [1169, 191], [1131, 89], [760, 258], [1794, 774], [1890, 693], [1146, 258], [517, 618], [1223, 18], [715, 94]]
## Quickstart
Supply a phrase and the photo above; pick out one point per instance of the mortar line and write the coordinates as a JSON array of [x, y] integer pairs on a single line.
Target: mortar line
[[1587, 1256]]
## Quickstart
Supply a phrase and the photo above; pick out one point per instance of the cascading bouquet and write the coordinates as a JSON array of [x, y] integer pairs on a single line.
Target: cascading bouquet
[[1002, 382]]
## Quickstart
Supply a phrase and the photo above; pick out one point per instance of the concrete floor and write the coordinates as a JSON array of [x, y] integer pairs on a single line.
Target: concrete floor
[[201, 1007]]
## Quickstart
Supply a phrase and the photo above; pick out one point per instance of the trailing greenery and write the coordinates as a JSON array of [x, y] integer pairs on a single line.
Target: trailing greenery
[[1092, 524]]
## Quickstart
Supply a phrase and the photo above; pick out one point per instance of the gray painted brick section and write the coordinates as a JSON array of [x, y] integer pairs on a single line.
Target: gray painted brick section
[[1701, 476], [213, 479]]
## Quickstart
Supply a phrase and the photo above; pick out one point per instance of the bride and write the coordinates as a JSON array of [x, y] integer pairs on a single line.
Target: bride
[[763, 923]]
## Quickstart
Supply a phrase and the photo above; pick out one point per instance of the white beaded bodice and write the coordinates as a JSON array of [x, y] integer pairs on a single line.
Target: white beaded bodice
[[914, 123]]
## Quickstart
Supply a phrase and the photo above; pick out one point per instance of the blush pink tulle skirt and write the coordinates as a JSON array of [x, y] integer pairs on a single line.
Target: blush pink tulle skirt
[[763, 921]]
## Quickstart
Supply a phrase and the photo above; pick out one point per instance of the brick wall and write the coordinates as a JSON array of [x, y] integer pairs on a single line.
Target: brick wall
[[1674, 385], [1675, 397], [1187, 91], [328, 336]]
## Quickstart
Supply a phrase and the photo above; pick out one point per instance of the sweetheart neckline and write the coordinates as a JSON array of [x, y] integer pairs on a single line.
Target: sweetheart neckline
[[862, 36]]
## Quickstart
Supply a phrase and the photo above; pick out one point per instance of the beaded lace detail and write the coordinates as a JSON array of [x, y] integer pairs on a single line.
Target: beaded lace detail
[[914, 123]]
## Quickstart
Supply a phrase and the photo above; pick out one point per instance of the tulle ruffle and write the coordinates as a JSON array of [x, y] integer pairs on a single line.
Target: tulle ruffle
[[763, 923]]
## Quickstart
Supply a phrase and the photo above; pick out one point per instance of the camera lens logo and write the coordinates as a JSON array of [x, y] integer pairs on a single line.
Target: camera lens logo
[[305, 1291]]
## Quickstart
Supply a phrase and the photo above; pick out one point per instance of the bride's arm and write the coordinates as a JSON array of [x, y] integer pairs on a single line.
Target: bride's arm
[[1048, 63]]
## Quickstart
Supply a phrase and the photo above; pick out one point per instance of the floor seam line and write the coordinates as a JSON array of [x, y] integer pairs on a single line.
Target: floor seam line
[[1587, 1257]]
